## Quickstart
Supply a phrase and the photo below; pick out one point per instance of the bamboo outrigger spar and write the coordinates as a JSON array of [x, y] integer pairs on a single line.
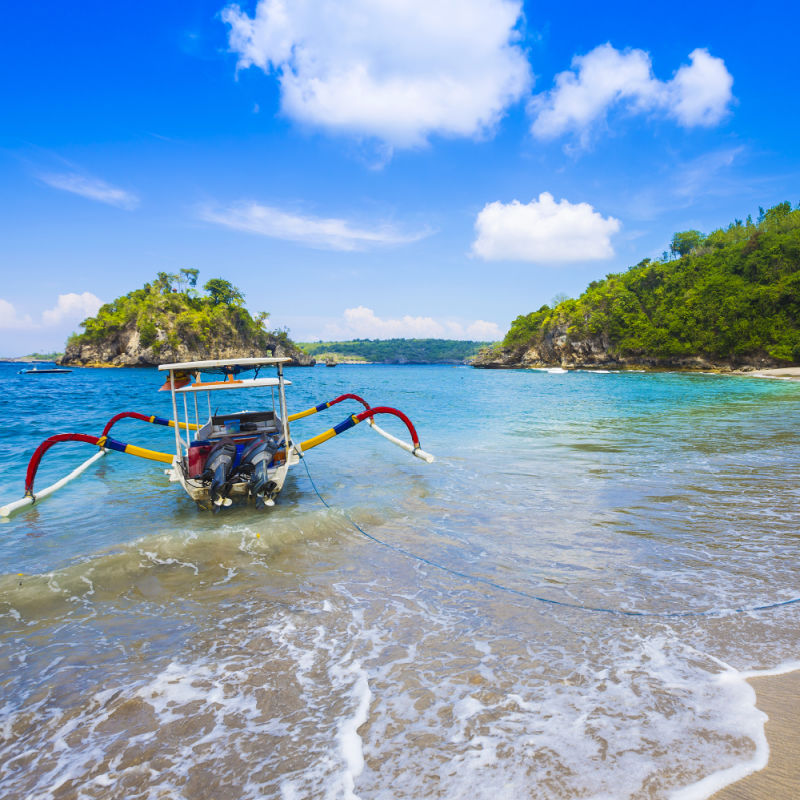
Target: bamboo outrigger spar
[[246, 454]]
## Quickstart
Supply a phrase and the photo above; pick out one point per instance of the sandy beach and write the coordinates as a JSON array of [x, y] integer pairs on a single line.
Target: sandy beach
[[779, 697], [780, 372]]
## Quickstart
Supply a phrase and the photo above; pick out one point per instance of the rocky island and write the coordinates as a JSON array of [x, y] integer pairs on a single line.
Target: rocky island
[[728, 300], [169, 320]]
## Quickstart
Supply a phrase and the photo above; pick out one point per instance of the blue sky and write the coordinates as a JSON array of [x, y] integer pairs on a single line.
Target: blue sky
[[377, 168]]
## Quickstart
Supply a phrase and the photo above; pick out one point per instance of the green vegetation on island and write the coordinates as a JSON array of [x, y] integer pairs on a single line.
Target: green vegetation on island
[[170, 319], [395, 351], [730, 297], [39, 357]]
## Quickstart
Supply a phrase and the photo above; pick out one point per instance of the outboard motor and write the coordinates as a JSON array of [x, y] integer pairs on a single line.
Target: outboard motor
[[219, 467], [255, 460]]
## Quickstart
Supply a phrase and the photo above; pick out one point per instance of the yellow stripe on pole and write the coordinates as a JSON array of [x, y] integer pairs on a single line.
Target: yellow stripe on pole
[[153, 455], [308, 443], [190, 426], [300, 414], [318, 439]]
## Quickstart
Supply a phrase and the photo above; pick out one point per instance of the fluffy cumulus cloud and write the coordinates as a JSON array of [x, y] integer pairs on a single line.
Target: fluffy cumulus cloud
[[69, 309], [698, 94], [91, 189], [321, 233], [543, 231], [397, 71], [72, 307], [364, 323]]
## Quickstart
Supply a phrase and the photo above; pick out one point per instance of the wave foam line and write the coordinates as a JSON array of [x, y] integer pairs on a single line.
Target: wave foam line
[[708, 786], [350, 743]]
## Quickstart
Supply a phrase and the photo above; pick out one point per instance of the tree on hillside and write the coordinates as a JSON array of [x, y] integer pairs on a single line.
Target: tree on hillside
[[683, 243], [163, 282], [778, 212], [222, 291], [187, 279]]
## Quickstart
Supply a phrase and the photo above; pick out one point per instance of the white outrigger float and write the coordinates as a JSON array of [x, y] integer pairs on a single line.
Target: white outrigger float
[[246, 454]]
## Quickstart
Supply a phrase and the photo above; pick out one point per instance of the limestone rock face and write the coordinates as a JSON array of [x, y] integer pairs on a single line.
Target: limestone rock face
[[558, 349], [125, 349]]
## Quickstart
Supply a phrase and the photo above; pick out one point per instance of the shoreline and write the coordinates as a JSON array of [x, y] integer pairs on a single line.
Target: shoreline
[[779, 373], [779, 779], [782, 373]]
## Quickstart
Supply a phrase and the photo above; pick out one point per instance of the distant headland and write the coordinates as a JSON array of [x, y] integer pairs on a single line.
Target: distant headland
[[32, 358], [394, 351], [729, 300]]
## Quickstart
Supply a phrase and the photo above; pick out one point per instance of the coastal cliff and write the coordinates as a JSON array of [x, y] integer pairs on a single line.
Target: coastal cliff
[[558, 349], [124, 349], [729, 300], [168, 321]]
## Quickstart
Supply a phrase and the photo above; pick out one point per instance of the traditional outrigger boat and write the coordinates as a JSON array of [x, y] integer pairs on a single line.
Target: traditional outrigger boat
[[246, 454]]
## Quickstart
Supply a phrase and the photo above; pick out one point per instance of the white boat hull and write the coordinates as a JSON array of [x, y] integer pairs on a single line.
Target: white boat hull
[[201, 492]]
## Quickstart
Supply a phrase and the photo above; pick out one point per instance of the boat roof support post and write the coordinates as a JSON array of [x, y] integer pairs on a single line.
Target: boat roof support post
[[178, 449], [284, 412], [186, 420]]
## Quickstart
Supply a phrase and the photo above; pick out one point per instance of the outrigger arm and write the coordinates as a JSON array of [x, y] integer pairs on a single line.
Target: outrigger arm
[[367, 414], [353, 420]]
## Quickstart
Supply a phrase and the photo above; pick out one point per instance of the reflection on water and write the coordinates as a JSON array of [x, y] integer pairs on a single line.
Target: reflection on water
[[148, 650]]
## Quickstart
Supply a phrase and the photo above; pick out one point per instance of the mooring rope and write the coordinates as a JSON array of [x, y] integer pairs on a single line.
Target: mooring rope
[[530, 596]]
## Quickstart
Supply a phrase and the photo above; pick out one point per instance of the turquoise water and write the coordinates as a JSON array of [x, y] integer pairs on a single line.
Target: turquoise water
[[149, 649]]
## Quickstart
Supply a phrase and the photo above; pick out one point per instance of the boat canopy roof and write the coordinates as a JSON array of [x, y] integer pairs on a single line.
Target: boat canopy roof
[[248, 383], [246, 363]]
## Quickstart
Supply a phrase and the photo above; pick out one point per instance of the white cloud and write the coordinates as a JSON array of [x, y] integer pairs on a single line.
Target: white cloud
[[363, 323], [604, 76], [397, 71], [484, 331], [543, 231], [322, 233], [92, 189], [72, 307], [69, 308], [698, 94], [11, 320]]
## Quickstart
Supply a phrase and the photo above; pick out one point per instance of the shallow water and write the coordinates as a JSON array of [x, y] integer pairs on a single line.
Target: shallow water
[[149, 650]]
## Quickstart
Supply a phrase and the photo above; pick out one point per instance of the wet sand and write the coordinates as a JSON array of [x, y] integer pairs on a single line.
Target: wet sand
[[780, 372], [779, 697]]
